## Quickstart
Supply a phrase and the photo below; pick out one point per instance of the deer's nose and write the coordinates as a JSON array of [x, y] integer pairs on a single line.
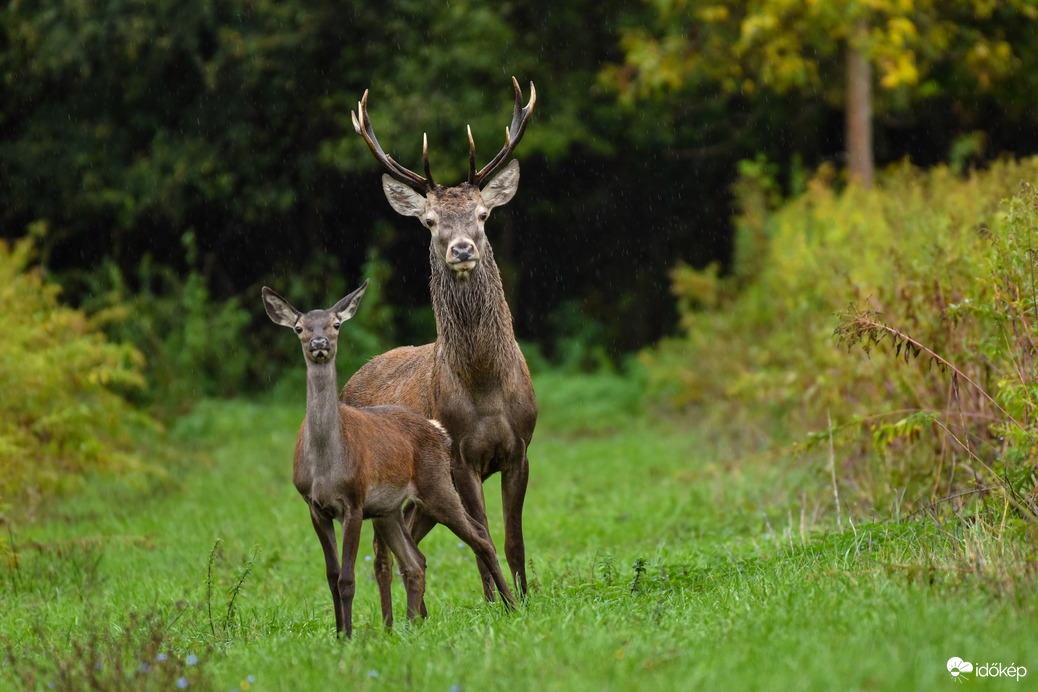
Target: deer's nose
[[463, 252], [319, 343]]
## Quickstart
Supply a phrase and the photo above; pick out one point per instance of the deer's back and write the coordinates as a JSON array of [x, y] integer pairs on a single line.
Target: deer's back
[[395, 447], [400, 376], [486, 404]]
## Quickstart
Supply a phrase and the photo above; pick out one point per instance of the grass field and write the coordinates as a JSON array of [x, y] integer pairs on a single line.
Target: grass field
[[659, 559]]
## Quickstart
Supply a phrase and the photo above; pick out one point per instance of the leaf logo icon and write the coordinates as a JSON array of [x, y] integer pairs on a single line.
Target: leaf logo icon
[[956, 666]]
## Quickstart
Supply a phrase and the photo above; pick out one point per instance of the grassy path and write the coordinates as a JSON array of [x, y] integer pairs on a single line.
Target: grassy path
[[656, 564]]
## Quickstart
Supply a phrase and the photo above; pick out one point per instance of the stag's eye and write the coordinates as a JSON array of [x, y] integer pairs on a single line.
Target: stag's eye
[[483, 216], [299, 330], [430, 222]]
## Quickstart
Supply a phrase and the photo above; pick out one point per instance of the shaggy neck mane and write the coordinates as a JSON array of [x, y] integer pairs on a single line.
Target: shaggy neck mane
[[473, 323]]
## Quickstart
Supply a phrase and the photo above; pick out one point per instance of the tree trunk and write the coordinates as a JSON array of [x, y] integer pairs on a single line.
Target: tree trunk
[[859, 110]]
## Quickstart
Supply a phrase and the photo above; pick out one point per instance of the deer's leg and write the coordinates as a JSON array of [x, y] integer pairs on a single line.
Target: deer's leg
[[326, 535], [383, 576], [444, 505], [514, 479], [470, 490], [347, 579], [412, 562], [418, 524]]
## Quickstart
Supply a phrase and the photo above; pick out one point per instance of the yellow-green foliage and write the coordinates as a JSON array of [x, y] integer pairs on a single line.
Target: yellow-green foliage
[[60, 413], [942, 258]]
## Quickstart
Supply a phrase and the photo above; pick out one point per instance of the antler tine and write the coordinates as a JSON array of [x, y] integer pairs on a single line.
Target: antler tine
[[363, 128], [472, 156], [425, 156], [520, 119]]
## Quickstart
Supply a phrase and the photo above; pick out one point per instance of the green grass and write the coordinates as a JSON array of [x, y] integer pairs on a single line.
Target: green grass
[[657, 560]]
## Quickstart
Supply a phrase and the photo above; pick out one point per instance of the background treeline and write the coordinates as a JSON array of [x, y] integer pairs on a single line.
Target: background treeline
[[128, 125], [160, 161], [214, 138]]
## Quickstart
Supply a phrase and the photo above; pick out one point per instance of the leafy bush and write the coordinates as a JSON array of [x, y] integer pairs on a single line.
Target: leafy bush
[[62, 411], [197, 346], [194, 345], [935, 257]]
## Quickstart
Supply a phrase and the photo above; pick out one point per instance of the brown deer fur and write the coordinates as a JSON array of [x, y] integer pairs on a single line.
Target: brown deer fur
[[353, 464], [474, 378]]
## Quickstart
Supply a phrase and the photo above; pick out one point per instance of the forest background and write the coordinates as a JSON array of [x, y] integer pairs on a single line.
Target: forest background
[[153, 148], [800, 237]]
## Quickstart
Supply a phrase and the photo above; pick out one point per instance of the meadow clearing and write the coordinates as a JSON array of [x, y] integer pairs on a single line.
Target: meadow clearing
[[658, 561]]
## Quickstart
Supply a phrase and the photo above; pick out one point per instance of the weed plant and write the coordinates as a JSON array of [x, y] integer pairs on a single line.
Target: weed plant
[[108, 657], [933, 264]]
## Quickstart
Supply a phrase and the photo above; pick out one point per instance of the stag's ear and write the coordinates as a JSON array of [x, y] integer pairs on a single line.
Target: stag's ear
[[346, 307], [402, 198], [279, 310], [501, 187]]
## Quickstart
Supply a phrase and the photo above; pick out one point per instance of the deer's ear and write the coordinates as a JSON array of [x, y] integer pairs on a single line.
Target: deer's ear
[[279, 310], [346, 307], [501, 187], [402, 198]]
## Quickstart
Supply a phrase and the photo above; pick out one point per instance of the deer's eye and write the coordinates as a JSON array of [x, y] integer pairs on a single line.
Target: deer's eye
[[430, 222], [483, 216], [299, 330], [336, 326]]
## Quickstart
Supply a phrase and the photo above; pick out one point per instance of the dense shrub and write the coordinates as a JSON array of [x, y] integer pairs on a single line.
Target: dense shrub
[[930, 257], [61, 408], [192, 343], [197, 346]]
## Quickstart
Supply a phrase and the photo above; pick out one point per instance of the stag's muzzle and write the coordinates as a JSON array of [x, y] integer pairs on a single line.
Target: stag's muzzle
[[462, 256]]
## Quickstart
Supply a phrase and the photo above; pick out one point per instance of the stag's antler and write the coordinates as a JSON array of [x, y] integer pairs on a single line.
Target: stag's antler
[[520, 118], [404, 175]]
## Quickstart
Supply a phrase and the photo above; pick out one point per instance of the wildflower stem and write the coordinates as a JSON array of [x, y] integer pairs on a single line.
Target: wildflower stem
[[832, 471], [864, 325], [209, 587]]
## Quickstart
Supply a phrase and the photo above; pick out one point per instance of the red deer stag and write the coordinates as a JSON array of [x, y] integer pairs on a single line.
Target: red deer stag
[[473, 378], [365, 463]]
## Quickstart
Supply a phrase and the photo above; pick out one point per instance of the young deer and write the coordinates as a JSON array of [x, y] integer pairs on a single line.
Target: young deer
[[364, 463], [474, 378]]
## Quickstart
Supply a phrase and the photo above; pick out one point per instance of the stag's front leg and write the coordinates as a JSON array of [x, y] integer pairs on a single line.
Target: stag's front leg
[[326, 534], [514, 479], [351, 524], [470, 489]]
